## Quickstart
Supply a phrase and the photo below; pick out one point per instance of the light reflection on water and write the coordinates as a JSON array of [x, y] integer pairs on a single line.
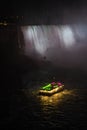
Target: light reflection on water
[[50, 102], [66, 108], [54, 99], [47, 102]]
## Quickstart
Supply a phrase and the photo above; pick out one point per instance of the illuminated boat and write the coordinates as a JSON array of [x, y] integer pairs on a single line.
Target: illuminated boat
[[51, 89]]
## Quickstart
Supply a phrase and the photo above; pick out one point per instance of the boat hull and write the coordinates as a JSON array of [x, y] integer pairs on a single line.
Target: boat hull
[[51, 92]]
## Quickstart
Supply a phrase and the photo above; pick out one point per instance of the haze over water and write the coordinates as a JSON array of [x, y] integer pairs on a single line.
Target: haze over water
[[59, 54]]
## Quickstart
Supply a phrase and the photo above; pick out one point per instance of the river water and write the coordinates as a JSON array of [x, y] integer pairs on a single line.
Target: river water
[[25, 109], [64, 110]]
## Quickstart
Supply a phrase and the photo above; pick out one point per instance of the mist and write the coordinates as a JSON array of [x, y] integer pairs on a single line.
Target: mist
[[64, 45]]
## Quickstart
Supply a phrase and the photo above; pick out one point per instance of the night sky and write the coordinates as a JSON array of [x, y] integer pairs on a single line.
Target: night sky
[[35, 7]]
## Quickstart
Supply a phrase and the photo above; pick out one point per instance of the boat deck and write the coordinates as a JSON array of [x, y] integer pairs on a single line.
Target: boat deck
[[51, 92]]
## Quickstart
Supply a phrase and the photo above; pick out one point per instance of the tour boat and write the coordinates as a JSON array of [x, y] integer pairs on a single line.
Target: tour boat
[[51, 88]]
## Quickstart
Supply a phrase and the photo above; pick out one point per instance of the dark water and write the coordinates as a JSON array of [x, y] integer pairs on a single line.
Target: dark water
[[66, 110], [22, 108]]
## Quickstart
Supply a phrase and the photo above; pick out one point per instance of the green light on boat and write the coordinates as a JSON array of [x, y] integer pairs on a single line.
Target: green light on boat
[[47, 87]]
